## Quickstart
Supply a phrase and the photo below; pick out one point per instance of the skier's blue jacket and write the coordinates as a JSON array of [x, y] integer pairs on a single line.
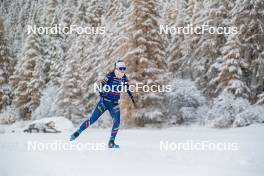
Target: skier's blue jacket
[[115, 84]]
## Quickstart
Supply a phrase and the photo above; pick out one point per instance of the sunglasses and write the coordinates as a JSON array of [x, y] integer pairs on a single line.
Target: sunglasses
[[122, 68]]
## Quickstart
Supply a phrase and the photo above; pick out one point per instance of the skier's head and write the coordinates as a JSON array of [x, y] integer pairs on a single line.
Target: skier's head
[[120, 68]]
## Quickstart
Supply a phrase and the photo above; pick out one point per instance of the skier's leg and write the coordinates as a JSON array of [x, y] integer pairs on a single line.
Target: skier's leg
[[98, 111], [115, 113]]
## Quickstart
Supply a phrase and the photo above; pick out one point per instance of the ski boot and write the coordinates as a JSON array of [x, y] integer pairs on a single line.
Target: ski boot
[[74, 135], [111, 144]]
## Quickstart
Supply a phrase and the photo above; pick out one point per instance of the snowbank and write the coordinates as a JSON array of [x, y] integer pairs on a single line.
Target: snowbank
[[45, 125], [52, 125]]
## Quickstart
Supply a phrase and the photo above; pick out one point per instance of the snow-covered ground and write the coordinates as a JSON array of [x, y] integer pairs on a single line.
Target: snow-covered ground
[[140, 153]]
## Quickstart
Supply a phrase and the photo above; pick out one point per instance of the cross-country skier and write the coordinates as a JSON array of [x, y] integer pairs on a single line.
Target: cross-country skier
[[109, 100]]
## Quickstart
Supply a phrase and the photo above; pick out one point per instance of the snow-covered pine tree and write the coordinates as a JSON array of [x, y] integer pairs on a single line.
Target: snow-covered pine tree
[[54, 59], [67, 68], [115, 41], [248, 16], [145, 62], [68, 12], [175, 48], [241, 56], [69, 98], [89, 12], [90, 68], [54, 53], [16, 16], [257, 79], [189, 9], [260, 78], [28, 79], [207, 47], [6, 65], [200, 50], [86, 49], [194, 17], [230, 70]]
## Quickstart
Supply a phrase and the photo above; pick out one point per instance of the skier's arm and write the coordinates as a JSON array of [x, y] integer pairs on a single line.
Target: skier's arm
[[105, 80], [103, 83]]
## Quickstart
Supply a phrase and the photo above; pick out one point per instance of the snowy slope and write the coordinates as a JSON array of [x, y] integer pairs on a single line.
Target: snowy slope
[[140, 153]]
